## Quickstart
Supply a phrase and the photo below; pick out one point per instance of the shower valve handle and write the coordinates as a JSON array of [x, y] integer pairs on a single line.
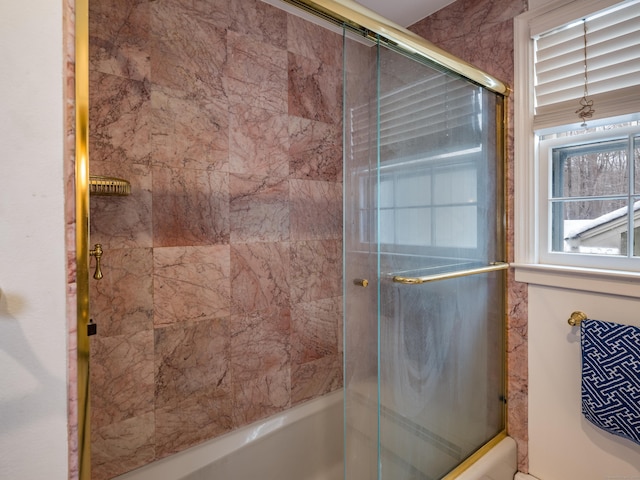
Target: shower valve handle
[[97, 252], [361, 282]]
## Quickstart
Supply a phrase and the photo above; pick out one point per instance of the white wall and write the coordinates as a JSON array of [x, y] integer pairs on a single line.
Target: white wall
[[33, 408], [562, 444]]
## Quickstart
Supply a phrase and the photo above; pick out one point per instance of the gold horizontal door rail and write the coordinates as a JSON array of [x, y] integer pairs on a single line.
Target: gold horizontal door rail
[[492, 267], [372, 25]]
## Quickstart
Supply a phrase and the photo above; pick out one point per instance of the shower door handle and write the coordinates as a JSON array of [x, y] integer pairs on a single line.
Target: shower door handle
[[492, 267], [361, 282]]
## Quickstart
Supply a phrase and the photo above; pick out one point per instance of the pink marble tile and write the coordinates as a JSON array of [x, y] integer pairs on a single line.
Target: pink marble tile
[[316, 378], [260, 364], [122, 301], [259, 276], [193, 384], [122, 222], [443, 25], [258, 141], [255, 74], [315, 329], [190, 283], [215, 12], [316, 209], [316, 270], [190, 207], [72, 381], [258, 209], [187, 53], [122, 446], [517, 364], [490, 14], [122, 382], [189, 131], [192, 420], [315, 89], [315, 150], [119, 38], [118, 119], [484, 47], [313, 41], [70, 231], [190, 358], [261, 20]]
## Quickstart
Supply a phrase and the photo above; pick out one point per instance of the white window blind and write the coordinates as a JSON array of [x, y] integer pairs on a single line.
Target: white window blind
[[414, 115], [613, 61]]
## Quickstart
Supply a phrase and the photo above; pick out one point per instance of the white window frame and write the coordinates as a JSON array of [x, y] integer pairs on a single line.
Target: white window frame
[[527, 173]]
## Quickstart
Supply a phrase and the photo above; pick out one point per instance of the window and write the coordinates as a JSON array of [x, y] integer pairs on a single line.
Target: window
[[593, 182], [433, 205], [422, 193], [578, 189]]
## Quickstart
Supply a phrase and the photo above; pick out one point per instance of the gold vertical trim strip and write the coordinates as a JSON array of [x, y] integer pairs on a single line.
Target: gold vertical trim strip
[[360, 18], [502, 120], [82, 232]]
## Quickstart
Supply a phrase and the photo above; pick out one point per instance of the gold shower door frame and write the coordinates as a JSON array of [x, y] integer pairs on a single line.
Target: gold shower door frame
[[82, 233]]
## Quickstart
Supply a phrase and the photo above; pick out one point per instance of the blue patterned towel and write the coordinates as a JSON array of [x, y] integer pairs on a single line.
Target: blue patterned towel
[[611, 377]]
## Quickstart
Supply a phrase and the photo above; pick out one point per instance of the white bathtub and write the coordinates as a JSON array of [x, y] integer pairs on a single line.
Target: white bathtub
[[304, 443]]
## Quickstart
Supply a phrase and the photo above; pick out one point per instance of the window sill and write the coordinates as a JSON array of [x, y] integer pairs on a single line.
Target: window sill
[[615, 282]]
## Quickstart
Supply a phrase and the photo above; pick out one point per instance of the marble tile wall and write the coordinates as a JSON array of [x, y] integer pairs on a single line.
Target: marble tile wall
[[221, 298], [481, 33], [70, 233]]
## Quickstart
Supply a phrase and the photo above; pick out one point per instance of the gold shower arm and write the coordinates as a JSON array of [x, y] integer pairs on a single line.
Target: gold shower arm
[[492, 267]]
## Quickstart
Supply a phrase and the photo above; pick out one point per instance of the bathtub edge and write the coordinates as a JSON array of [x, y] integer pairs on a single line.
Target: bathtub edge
[[188, 461]]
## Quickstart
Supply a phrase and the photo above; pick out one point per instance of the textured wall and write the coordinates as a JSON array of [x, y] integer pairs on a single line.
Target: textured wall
[[481, 33], [33, 326], [221, 297]]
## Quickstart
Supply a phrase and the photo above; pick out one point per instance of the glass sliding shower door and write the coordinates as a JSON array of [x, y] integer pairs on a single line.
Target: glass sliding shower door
[[424, 286]]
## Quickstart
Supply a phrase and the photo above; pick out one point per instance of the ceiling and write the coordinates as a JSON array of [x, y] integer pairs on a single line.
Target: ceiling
[[404, 12]]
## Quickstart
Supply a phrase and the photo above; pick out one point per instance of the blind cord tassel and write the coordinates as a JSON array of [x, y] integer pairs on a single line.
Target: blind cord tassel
[[586, 106]]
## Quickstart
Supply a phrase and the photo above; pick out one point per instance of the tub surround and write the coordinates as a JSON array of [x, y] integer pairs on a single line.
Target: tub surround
[[233, 148], [221, 298]]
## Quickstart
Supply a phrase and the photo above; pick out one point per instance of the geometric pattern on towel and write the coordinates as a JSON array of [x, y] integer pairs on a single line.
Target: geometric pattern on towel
[[611, 377]]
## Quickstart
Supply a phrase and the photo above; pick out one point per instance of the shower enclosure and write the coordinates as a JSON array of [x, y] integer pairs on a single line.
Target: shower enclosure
[[423, 240]]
